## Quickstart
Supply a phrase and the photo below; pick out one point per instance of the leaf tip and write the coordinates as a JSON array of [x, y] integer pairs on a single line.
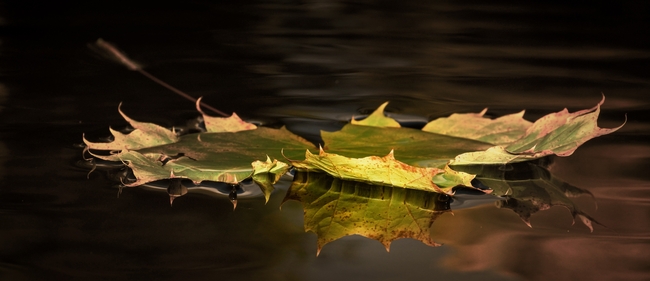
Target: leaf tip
[[390, 155], [382, 106], [119, 109], [602, 100], [587, 220], [377, 119], [198, 105], [87, 142]]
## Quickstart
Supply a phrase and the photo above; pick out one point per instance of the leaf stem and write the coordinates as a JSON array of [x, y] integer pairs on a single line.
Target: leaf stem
[[120, 57]]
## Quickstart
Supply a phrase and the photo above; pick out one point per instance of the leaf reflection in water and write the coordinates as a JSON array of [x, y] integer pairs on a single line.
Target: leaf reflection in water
[[528, 188], [335, 208]]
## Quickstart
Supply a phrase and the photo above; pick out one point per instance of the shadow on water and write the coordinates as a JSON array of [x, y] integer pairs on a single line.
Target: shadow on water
[[311, 65]]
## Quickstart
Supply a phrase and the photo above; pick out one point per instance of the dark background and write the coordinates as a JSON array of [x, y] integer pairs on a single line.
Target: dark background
[[312, 64]]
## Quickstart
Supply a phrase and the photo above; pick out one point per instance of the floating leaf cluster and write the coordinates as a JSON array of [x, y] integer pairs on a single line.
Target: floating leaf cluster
[[374, 156]]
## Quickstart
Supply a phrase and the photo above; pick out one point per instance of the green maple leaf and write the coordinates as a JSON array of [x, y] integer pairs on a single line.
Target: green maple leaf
[[222, 157], [411, 146], [384, 170]]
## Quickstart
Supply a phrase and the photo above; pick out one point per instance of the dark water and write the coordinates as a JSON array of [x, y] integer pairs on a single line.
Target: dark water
[[311, 65]]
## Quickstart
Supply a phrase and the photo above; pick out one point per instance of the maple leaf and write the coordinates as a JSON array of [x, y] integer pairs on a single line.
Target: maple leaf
[[411, 146], [144, 135], [222, 157], [383, 171], [475, 126], [230, 152], [559, 133]]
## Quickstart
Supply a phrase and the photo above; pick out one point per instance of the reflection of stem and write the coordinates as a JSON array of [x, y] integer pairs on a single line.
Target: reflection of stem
[[120, 57]]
